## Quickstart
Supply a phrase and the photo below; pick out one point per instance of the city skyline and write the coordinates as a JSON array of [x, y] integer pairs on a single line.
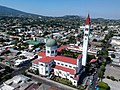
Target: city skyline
[[97, 9]]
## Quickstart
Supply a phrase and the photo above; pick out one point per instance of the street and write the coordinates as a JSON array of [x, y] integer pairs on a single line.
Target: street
[[92, 87], [50, 82]]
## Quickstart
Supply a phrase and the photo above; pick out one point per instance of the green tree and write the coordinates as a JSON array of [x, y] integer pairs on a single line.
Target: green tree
[[8, 69], [102, 68], [103, 53], [100, 75], [37, 72], [94, 40], [112, 78], [113, 55], [103, 86]]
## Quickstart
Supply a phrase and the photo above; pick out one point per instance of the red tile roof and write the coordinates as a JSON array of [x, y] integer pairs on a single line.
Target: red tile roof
[[93, 60], [66, 59], [42, 54], [35, 61], [46, 59], [72, 71], [61, 48], [76, 78]]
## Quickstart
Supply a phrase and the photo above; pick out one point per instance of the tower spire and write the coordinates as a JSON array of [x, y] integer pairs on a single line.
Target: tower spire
[[88, 20]]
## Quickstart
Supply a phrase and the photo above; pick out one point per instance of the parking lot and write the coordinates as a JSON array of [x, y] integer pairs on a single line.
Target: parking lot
[[114, 85], [112, 71]]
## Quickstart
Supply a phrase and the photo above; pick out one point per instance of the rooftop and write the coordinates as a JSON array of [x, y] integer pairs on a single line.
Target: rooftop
[[66, 59], [61, 48], [19, 82], [36, 61], [42, 54], [59, 58], [33, 42], [46, 59], [51, 42], [93, 60]]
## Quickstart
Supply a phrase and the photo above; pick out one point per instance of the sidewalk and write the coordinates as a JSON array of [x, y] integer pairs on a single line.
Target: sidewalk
[[53, 83]]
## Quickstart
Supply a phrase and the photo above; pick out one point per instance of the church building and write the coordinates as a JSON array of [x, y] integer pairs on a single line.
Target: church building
[[49, 63]]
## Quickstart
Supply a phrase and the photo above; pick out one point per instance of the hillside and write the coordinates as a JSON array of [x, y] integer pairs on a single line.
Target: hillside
[[5, 11]]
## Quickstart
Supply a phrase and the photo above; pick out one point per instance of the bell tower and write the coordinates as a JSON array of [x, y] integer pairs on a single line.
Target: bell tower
[[85, 41]]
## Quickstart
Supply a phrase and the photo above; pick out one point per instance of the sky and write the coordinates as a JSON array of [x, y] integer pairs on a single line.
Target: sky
[[96, 8]]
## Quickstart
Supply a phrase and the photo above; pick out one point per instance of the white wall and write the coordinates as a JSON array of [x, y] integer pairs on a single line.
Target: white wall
[[42, 68], [71, 66], [50, 49], [46, 68], [66, 75], [85, 45]]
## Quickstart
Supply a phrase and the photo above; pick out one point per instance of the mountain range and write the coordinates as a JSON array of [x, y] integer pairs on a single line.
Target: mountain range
[[5, 11]]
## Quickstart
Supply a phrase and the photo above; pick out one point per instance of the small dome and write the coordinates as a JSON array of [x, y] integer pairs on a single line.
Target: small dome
[[51, 42]]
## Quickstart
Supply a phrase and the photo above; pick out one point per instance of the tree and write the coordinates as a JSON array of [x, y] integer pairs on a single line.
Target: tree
[[94, 40], [105, 28], [37, 72], [108, 77], [108, 59], [102, 68], [100, 74], [8, 69], [113, 55], [103, 86], [112, 78], [103, 53]]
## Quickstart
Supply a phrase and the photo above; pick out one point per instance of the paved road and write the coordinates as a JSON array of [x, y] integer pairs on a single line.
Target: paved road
[[114, 85], [94, 81], [92, 87], [17, 70], [50, 82], [112, 71]]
